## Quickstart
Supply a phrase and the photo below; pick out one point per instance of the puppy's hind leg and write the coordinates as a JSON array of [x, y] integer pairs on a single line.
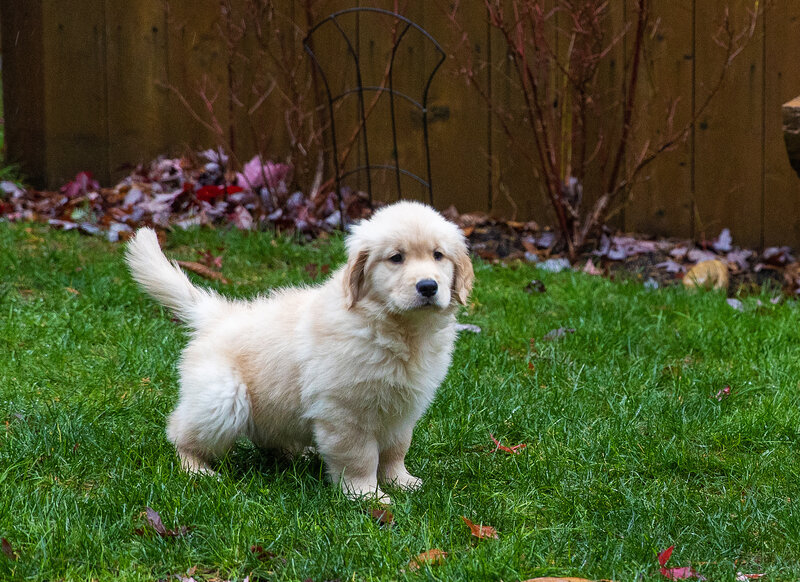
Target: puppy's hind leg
[[212, 412]]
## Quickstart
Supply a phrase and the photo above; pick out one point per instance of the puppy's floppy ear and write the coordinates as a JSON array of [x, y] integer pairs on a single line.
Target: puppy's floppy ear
[[354, 278], [464, 276]]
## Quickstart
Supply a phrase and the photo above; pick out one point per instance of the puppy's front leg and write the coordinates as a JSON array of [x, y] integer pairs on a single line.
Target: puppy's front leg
[[351, 458], [391, 465]]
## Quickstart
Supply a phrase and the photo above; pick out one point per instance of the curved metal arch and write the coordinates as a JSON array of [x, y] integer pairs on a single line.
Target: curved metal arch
[[360, 89]]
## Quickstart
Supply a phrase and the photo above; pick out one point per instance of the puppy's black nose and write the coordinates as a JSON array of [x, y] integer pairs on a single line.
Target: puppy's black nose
[[427, 287]]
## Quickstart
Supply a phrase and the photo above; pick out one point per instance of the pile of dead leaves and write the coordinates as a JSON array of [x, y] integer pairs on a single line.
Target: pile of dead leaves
[[716, 263], [184, 192], [203, 190]]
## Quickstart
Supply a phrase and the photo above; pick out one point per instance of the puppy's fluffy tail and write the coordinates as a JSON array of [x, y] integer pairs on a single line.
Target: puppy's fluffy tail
[[166, 282]]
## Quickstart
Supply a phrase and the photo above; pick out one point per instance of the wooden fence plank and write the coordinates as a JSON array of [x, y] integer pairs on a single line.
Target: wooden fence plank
[[728, 159], [782, 83], [75, 91], [23, 88], [197, 65], [517, 189], [665, 82], [458, 122], [136, 68]]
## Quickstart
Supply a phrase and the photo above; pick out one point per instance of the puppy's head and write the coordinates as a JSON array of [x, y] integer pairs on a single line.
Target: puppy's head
[[407, 257]]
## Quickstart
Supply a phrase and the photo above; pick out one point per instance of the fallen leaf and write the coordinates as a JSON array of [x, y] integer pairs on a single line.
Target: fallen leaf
[[154, 520], [210, 260], [723, 243], [681, 573], [707, 274], [203, 271], [481, 531], [740, 577], [723, 393], [8, 550], [535, 286], [735, 303], [671, 266], [513, 450], [699, 256], [433, 557], [558, 579], [675, 573], [791, 279], [778, 256], [590, 269], [664, 556], [382, 516], [557, 333]]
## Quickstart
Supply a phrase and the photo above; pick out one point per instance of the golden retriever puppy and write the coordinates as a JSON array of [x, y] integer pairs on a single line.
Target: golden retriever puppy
[[348, 366]]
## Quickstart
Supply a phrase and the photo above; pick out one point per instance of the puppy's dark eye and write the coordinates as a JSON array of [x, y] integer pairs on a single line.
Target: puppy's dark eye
[[396, 258], [437, 255]]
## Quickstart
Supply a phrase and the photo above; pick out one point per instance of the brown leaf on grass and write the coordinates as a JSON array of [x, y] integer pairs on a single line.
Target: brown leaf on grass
[[203, 271], [8, 550], [481, 531], [382, 516], [154, 521], [513, 450], [740, 577], [433, 557], [791, 279], [210, 260]]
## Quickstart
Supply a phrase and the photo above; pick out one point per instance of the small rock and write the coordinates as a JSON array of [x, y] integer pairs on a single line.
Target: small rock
[[651, 283]]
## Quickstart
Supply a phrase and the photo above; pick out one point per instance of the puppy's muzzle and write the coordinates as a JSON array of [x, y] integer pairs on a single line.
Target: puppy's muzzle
[[427, 287]]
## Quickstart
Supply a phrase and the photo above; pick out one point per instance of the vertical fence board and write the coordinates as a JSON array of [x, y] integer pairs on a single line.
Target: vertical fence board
[[458, 122], [517, 191], [76, 107], [23, 88], [665, 82], [782, 83], [728, 160], [197, 63], [136, 63]]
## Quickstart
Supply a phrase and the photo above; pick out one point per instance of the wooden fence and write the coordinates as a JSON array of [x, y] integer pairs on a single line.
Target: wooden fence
[[102, 87]]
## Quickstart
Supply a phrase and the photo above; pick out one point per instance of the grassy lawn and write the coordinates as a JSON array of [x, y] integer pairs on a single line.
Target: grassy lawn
[[628, 452]]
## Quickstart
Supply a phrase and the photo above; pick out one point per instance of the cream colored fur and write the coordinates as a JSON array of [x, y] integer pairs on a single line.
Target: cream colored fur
[[348, 366]]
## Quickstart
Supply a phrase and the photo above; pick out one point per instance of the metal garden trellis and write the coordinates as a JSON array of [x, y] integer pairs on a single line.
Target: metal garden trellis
[[406, 25]]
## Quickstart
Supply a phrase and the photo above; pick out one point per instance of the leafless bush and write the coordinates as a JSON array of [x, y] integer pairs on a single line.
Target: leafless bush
[[577, 128]]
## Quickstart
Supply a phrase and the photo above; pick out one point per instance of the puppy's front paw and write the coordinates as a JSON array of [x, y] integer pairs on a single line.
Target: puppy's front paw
[[405, 480]]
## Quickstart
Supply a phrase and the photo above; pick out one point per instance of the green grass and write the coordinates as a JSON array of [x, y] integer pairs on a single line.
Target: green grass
[[627, 452]]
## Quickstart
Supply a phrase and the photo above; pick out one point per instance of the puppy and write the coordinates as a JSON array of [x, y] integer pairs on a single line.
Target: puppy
[[348, 366]]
